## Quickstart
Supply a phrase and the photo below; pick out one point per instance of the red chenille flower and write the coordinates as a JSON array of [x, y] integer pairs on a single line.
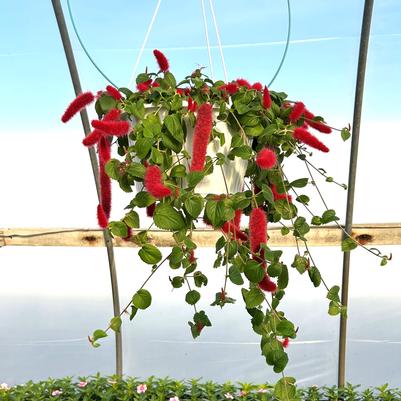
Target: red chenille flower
[[296, 112], [301, 134], [278, 196], [230, 228], [257, 86], [237, 218], [93, 138], [117, 128], [243, 82], [192, 258], [266, 159], [267, 101], [202, 131], [267, 284], [77, 105], [150, 210], [257, 229], [104, 179], [231, 88], [161, 60], [104, 150], [155, 84], [112, 91], [101, 217], [317, 125], [154, 184], [113, 114], [143, 86], [285, 342]]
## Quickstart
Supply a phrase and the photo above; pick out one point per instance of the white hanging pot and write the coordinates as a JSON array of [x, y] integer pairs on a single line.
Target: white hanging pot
[[229, 176]]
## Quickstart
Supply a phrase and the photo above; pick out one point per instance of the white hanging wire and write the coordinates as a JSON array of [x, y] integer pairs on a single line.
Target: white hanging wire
[[145, 41], [218, 40], [207, 40]]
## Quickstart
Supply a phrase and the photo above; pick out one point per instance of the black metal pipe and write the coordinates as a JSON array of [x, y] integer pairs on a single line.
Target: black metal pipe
[[62, 26], [356, 125]]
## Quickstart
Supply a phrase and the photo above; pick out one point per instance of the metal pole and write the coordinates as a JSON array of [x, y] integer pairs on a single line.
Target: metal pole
[[58, 11], [356, 125]]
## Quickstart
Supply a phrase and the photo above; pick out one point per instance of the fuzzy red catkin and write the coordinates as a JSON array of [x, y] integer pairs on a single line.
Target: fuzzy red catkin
[[161, 60], [301, 134], [285, 342], [114, 92], [113, 114], [229, 227], [150, 210], [104, 179], [154, 184], [266, 159], [104, 150], [101, 217], [257, 228], [296, 112], [93, 138], [267, 284], [237, 218], [243, 82], [317, 125], [117, 128], [192, 258], [202, 131], [267, 101], [77, 105], [257, 86], [278, 196], [231, 88]]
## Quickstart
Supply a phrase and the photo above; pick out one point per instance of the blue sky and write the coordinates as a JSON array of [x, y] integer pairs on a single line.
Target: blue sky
[[322, 72]]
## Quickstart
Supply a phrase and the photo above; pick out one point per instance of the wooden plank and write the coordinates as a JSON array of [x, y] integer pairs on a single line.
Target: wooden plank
[[369, 234]]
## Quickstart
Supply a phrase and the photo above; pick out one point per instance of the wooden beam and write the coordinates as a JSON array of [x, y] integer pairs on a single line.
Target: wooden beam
[[368, 234]]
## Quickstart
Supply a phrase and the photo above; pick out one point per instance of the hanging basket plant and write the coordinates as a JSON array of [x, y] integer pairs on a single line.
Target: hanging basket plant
[[202, 152]]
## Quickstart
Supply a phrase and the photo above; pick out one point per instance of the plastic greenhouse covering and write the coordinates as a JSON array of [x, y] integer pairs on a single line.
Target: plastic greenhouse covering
[[51, 298]]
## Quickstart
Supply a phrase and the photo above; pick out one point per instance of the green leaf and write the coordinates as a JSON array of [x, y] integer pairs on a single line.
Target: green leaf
[[348, 244], [136, 170], [287, 210], [178, 171], [285, 328], [314, 275], [282, 281], [215, 212], [194, 205], [274, 269], [300, 263], [194, 178], [177, 282], [142, 147], [118, 228], [284, 230], [285, 389], [345, 134], [254, 131], [254, 297], [168, 218], [156, 156], [143, 199], [192, 297], [150, 254], [170, 79], [142, 299], [173, 124], [176, 257], [131, 219], [316, 221], [332, 294], [115, 324], [334, 308], [329, 216], [97, 334], [301, 226], [303, 199], [244, 152], [151, 126], [267, 193], [300, 183], [254, 271], [235, 276], [107, 103], [112, 169]]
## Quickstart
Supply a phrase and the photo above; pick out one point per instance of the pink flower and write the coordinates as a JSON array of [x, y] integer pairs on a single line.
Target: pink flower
[[56, 393], [229, 396], [4, 386], [82, 384], [242, 393], [141, 388], [175, 398]]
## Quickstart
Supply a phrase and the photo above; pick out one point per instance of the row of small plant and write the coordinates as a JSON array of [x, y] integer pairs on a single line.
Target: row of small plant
[[149, 129], [98, 388]]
